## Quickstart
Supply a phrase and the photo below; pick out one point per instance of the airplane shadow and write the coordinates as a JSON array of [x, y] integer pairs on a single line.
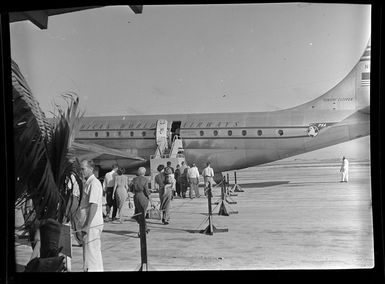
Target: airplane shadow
[[312, 182], [263, 184], [127, 233]]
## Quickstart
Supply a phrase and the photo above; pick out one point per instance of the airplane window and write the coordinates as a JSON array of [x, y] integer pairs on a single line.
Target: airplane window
[[144, 133], [96, 134], [229, 132], [259, 132], [201, 132], [108, 134], [215, 132], [132, 133], [280, 132], [119, 133], [244, 132]]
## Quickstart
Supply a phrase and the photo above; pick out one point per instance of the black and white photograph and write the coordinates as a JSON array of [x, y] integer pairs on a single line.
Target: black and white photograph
[[192, 137]]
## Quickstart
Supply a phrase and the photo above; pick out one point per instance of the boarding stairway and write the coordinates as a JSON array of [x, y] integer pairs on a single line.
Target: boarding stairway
[[169, 149]]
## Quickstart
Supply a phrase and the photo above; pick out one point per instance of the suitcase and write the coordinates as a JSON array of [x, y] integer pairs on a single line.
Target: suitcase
[[154, 213]]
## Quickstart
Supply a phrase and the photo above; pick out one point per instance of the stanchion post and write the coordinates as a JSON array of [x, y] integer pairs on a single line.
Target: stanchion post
[[236, 187], [222, 208], [229, 191], [143, 243], [223, 188], [210, 229]]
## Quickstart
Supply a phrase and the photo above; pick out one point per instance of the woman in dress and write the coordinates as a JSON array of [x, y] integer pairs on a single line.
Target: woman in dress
[[120, 192], [139, 187], [160, 180], [167, 194]]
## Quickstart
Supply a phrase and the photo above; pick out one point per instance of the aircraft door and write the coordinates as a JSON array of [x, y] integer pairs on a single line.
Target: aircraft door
[[175, 130]]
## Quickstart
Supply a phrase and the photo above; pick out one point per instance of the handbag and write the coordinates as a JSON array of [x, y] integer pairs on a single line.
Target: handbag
[[153, 213]]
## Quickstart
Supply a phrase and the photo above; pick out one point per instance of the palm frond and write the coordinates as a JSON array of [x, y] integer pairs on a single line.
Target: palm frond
[[66, 125], [43, 161], [21, 87]]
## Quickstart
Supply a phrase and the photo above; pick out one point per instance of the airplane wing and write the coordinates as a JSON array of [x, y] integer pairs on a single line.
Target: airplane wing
[[93, 151]]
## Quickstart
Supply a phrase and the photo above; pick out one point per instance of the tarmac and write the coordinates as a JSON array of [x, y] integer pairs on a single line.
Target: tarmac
[[294, 215]]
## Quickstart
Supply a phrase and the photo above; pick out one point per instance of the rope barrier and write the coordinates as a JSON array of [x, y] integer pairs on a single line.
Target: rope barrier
[[77, 231], [218, 184], [206, 218]]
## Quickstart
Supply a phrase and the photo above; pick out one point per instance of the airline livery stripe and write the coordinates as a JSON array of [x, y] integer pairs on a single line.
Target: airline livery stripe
[[116, 129], [192, 128], [196, 137], [254, 137]]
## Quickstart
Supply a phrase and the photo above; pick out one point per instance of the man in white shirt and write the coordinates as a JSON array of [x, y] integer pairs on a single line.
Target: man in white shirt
[[208, 174], [193, 180], [91, 205], [344, 170], [108, 187]]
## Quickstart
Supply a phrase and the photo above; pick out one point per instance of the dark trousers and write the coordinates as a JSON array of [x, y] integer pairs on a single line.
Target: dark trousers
[[183, 187], [115, 208], [109, 200]]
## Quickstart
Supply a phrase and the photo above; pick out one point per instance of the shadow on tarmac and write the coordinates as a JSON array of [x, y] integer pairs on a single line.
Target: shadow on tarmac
[[312, 183], [121, 232], [263, 184]]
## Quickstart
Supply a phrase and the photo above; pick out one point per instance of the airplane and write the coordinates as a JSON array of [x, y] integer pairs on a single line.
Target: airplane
[[233, 141]]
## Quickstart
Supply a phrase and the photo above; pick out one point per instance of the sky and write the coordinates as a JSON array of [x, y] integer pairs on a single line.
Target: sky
[[191, 58]]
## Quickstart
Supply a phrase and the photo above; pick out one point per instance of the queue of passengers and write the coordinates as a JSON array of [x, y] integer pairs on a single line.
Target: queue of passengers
[[187, 179], [169, 183], [88, 220]]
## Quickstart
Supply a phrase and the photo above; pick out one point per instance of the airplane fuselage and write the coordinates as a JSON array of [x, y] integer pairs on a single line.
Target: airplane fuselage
[[229, 141], [239, 140]]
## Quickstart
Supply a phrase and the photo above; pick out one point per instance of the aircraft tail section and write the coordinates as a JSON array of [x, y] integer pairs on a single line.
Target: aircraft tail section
[[352, 93]]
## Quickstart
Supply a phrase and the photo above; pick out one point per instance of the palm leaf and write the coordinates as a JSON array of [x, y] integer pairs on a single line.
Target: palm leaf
[[43, 161], [33, 176], [20, 85], [61, 155]]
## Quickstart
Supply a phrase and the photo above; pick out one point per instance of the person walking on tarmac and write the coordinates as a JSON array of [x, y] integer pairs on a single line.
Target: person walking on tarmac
[[344, 170], [108, 187], [173, 172], [193, 179], [120, 193], [208, 174], [139, 187], [167, 193], [177, 180], [159, 180], [183, 179]]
